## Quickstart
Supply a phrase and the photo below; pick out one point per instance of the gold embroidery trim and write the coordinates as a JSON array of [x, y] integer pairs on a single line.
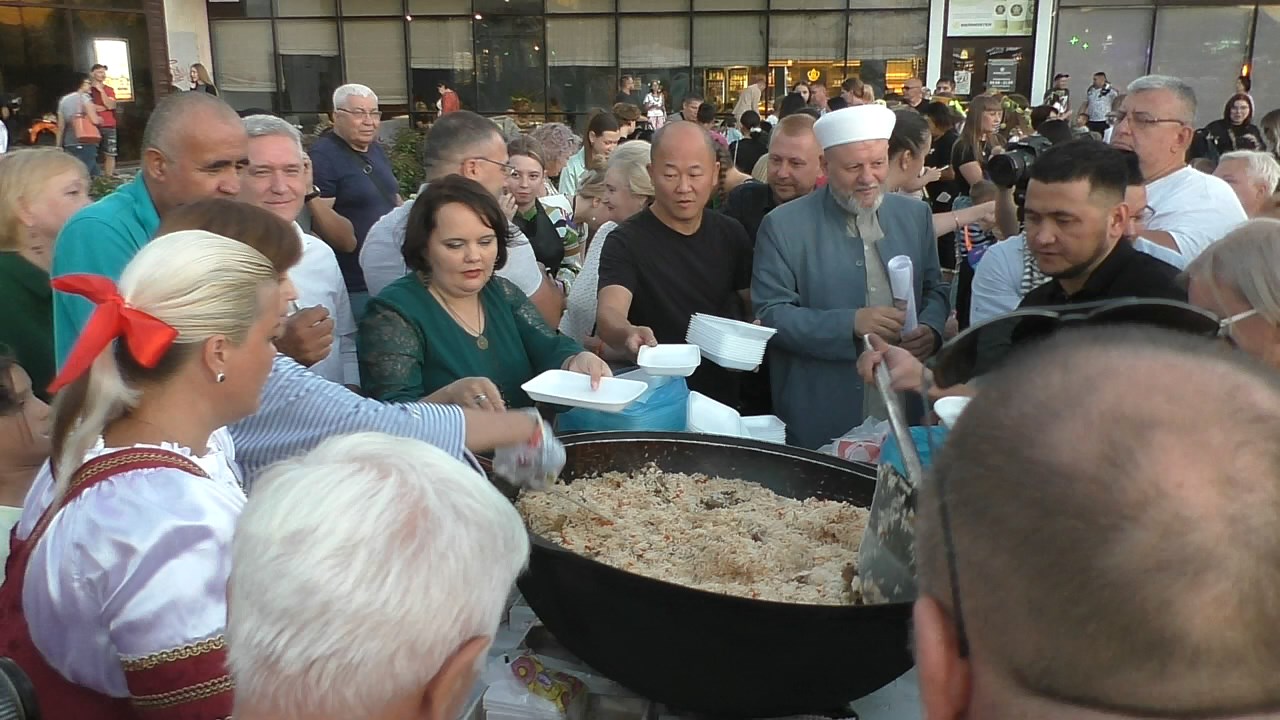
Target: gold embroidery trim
[[186, 652], [189, 694], [126, 458]]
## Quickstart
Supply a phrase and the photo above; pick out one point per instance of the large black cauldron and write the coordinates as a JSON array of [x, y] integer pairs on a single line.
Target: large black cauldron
[[705, 652]]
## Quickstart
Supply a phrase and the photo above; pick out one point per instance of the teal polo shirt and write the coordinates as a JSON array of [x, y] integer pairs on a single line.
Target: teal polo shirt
[[100, 240]]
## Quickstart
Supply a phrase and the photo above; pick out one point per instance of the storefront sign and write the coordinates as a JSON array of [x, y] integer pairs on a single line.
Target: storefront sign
[[990, 18], [1002, 75], [964, 82], [114, 53]]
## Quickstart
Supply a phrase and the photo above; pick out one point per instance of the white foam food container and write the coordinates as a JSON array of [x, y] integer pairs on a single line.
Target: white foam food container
[[712, 417], [669, 360], [561, 387], [949, 409], [766, 428], [733, 362], [747, 331]]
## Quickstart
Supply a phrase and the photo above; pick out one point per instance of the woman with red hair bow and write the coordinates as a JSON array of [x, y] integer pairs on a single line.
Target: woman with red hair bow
[[115, 600]]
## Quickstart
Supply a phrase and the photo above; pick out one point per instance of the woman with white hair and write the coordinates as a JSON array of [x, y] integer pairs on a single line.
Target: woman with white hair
[[559, 143], [1238, 279], [115, 601], [628, 189]]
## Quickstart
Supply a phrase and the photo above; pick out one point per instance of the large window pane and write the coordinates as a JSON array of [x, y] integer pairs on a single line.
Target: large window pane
[[730, 4], [371, 7], [809, 37], [509, 7], [653, 5], [296, 8], [374, 53], [441, 51], [439, 7], [245, 9], [807, 4], [131, 116], [728, 51], [582, 63], [573, 6], [510, 66], [1090, 40], [311, 63], [244, 62], [46, 71], [887, 47], [1205, 47], [659, 42], [1266, 62]]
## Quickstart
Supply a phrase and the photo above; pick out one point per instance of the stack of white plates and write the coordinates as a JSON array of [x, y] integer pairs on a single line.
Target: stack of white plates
[[765, 428], [708, 417], [729, 343]]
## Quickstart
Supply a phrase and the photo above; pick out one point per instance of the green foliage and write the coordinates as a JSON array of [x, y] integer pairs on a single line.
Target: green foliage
[[103, 186], [406, 160]]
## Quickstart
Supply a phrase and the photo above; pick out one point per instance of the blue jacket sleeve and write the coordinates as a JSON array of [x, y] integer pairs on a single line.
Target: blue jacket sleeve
[[775, 297], [85, 245]]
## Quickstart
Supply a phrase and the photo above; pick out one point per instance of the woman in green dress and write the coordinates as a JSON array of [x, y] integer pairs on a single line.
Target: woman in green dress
[[40, 189], [451, 331]]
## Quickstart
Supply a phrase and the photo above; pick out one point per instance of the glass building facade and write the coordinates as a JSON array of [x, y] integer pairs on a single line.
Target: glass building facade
[[553, 59]]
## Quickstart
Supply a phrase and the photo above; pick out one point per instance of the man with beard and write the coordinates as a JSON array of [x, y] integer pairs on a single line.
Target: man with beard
[[1076, 218], [820, 278]]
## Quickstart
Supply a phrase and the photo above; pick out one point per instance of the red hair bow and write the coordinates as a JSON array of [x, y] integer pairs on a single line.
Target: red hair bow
[[146, 336]]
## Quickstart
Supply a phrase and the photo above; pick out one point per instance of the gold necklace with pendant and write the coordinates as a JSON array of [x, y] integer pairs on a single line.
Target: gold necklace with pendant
[[481, 341]]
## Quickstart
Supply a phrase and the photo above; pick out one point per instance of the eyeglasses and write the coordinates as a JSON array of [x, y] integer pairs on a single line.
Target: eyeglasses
[[1144, 119], [511, 171], [1145, 215], [363, 114]]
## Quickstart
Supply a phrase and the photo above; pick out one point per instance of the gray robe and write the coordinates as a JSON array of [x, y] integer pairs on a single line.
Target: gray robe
[[808, 281]]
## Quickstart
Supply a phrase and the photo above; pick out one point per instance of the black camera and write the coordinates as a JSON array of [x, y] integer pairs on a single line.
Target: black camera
[[1011, 169], [17, 696]]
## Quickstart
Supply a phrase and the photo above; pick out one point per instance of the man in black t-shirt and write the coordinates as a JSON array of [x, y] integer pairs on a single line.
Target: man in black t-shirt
[[675, 259], [795, 164], [1076, 219]]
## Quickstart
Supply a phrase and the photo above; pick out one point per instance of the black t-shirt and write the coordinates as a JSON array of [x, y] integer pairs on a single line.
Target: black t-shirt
[[940, 157], [671, 276], [748, 204], [747, 152], [1126, 273], [962, 153]]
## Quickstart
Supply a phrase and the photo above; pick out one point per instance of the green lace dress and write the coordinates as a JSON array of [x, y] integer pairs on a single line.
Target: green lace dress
[[410, 346]]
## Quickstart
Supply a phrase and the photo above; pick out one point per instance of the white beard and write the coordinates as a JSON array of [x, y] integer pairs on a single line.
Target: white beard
[[865, 220]]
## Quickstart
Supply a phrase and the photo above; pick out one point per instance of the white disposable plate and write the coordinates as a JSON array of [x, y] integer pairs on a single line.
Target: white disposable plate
[[670, 360], [561, 387], [764, 425], [949, 409], [731, 362], [734, 327], [714, 418], [721, 346]]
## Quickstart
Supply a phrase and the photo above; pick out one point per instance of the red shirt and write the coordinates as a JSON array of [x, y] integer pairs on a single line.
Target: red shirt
[[108, 116]]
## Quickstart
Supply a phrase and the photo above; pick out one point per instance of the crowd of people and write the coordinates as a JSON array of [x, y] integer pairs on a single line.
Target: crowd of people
[[277, 381]]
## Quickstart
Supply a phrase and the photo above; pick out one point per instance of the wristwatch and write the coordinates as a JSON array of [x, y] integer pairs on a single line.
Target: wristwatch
[[315, 193]]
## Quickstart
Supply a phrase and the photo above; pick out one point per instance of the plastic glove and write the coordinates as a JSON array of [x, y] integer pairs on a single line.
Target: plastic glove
[[534, 464]]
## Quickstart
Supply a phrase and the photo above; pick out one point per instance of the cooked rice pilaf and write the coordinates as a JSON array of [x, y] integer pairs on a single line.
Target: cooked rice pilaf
[[726, 536]]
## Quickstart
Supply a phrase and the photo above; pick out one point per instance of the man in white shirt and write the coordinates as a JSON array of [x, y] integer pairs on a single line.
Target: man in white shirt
[[277, 181], [1192, 210], [462, 143], [1253, 175]]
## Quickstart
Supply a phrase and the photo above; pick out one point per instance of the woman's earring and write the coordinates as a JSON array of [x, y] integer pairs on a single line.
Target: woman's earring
[[221, 378]]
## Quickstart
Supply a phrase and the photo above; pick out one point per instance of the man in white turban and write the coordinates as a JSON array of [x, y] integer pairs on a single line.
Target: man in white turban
[[820, 278]]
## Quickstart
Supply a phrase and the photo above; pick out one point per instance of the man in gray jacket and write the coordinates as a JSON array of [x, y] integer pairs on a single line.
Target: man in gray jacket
[[821, 278]]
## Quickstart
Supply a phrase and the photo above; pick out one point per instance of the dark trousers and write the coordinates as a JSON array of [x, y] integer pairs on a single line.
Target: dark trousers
[[964, 292], [1099, 127]]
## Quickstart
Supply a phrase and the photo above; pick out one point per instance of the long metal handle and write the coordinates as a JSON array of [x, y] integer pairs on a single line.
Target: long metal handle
[[898, 421]]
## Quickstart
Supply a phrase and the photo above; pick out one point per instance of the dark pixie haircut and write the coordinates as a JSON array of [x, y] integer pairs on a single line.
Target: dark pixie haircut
[[940, 114], [1056, 131], [259, 229], [750, 119], [791, 104], [910, 132], [448, 190], [1040, 114], [837, 103], [707, 112], [1103, 166]]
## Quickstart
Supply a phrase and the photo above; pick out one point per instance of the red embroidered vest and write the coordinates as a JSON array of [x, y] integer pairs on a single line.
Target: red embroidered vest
[[188, 683]]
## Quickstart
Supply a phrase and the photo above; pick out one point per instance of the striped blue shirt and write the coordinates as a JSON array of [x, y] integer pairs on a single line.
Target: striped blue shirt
[[300, 410]]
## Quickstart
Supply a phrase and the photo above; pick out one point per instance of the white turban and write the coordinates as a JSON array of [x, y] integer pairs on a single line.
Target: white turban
[[855, 124]]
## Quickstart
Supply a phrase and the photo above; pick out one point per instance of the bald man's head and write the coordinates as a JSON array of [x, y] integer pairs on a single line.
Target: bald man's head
[[194, 148], [1114, 496], [684, 171]]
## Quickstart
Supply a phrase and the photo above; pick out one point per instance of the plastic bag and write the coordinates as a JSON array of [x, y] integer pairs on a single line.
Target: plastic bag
[[861, 444], [663, 407], [533, 465]]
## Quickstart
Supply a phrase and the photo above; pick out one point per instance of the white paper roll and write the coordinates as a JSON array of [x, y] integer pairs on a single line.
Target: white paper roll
[[904, 289]]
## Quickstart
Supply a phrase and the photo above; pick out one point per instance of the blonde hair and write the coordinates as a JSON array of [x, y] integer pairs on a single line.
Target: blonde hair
[[591, 184], [1247, 262], [200, 284], [23, 175], [203, 73], [632, 160], [760, 171]]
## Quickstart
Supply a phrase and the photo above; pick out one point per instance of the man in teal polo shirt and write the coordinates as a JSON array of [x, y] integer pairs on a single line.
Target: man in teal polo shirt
[[194, 147]]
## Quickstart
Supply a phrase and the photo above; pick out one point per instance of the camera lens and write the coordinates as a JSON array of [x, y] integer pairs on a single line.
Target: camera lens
[[17, 696]]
